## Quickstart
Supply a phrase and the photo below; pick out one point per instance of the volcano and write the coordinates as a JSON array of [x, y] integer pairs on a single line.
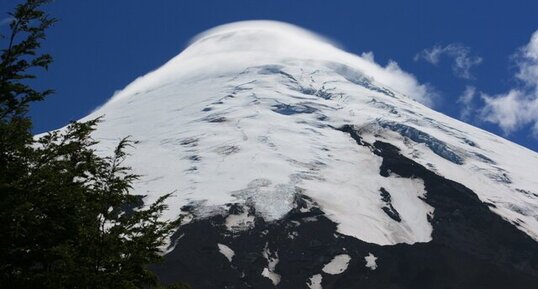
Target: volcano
[[295, 164]]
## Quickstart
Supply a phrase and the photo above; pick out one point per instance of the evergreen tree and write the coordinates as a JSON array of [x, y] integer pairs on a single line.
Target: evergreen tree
[[67, 217], [19, 56]]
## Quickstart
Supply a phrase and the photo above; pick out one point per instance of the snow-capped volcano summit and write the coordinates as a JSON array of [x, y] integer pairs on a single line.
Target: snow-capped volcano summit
[[295, 163], [232, 47]]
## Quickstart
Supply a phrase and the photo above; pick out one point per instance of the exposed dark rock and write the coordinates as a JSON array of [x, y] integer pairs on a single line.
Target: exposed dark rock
[[471, 247], [388, 208]]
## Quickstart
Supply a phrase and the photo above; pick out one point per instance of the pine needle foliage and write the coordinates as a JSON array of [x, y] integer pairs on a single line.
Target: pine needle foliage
[[68, 218]]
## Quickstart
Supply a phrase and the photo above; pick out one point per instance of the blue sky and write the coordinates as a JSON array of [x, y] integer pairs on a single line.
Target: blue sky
[[479, 47]]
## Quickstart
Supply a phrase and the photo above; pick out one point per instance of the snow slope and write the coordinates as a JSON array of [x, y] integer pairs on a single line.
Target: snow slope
[[249, 112]]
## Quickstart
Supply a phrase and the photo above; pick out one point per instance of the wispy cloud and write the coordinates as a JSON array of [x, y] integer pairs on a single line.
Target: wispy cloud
[[462, 59], [466, 100], [405, 82], [519, 106], [211, 53]]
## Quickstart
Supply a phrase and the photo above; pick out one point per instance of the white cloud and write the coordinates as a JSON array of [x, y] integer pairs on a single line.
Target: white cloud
[[368, 56], [519, 106], [463, 61], [504, 110], [527, 61], [466, 100], [277, 39], [232, 47], [431, 55], [393, 76]]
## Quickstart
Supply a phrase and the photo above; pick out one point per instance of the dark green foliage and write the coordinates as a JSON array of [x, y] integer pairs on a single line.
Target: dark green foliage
[[19, 55], [70, 229], [67, 217], [18, 58]]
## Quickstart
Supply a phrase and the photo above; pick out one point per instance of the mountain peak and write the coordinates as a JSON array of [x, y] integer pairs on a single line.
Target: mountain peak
[[271, 38], [232, 48], [253, 112], [293, 161]]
